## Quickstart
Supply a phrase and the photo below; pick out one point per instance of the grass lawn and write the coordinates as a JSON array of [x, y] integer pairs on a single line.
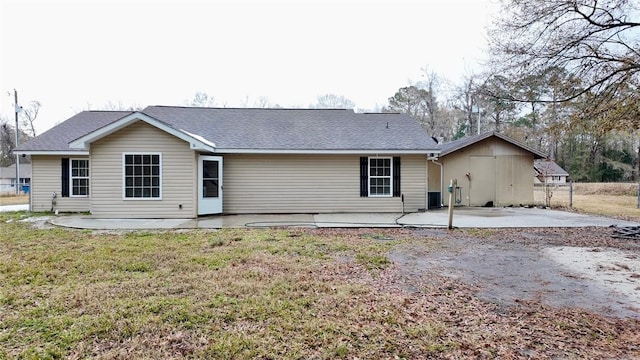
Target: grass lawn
[[267, 293], [215, 294]]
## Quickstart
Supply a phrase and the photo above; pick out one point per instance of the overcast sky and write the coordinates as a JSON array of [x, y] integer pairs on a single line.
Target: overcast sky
[[79, 54]]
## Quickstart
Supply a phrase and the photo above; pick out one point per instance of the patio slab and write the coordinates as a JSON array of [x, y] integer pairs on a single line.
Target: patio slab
[[463, 218]]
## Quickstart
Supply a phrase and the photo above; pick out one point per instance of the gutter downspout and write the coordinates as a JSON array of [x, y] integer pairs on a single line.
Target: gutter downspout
[[433, 160]]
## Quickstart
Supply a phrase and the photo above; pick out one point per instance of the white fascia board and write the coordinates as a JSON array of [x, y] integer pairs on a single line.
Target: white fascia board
[[48, 152], [199, 138], [329, 152], [84, 141]]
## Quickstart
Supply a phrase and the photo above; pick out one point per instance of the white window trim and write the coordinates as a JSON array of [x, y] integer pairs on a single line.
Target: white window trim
[[71, 177], [390, 176], [124, 177]]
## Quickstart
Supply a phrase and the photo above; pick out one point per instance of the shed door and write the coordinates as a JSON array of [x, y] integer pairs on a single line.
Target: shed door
[[209, 185], [482, 187]]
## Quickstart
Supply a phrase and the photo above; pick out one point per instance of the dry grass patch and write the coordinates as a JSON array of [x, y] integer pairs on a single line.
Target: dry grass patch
[[622, 189], [618, 200], [12, 199], [619, 206]]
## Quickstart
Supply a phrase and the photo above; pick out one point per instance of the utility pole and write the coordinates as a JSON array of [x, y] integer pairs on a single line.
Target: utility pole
[[17, 109]]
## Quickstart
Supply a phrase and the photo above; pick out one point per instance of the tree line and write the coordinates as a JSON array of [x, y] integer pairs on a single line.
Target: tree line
[[562, 77]]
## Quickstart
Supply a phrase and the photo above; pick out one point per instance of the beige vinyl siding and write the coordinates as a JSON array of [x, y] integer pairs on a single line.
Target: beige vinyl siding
[[481, 188], [456, 165], [313, 183], [498, 172], [46, 178], [178, 172], [514, 184]]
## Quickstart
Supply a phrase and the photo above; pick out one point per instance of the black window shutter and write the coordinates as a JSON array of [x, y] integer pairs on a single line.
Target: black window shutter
[[396, 176], [65, 177], [364, 178]]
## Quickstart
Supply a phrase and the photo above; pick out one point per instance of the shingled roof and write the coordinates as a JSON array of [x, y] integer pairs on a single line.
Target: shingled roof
[[57, 138], [235, 129]]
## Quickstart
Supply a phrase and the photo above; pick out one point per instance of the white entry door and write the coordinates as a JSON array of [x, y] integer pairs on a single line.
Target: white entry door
[[209, 185]]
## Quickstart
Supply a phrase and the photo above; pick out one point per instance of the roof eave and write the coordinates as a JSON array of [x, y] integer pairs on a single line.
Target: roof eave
[[52, 152], [329, 151]]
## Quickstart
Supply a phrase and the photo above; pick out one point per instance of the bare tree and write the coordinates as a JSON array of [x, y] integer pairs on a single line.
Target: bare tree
[[430, 83], [467, 102], [594, 41], [202, 99], [29, 114], [332, 101], [119, 106], [262, 102], [110, 106], [7, 143]]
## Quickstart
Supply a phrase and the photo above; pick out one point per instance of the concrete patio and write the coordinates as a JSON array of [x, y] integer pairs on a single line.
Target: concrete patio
[[463, 218]]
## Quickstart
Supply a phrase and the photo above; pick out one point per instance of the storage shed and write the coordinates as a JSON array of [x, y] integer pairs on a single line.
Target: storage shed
[[491, 170]]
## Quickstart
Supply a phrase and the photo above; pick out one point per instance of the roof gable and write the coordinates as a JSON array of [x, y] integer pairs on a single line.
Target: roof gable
[[195, 142], [453, 146]]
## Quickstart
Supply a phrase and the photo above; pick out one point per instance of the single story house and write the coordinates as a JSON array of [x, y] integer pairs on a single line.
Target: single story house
[[183, 162], [491, 169], [549, 172], [8, 178]]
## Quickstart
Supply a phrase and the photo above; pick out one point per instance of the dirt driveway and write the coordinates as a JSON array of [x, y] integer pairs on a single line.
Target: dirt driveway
[[568, 267]]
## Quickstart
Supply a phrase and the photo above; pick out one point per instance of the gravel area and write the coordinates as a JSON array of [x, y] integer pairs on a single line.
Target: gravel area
[[564, 268]]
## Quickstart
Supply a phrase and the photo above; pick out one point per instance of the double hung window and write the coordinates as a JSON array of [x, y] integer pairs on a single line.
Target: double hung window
[[380, 176], [79, 176]]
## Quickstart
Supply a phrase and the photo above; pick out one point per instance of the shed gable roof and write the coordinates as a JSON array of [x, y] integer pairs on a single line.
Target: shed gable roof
[[254, 130], [450, 147], [9, 172], [546, 167]]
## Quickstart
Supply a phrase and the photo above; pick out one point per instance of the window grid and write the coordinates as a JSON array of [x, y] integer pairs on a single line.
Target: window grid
[[380, 176], [79, 175], [142, 176]]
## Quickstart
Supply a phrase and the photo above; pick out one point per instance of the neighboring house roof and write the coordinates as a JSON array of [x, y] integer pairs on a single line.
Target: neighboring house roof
[[9, 172], [456, 145], [249, 130], [57, 138], [546, 167]]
